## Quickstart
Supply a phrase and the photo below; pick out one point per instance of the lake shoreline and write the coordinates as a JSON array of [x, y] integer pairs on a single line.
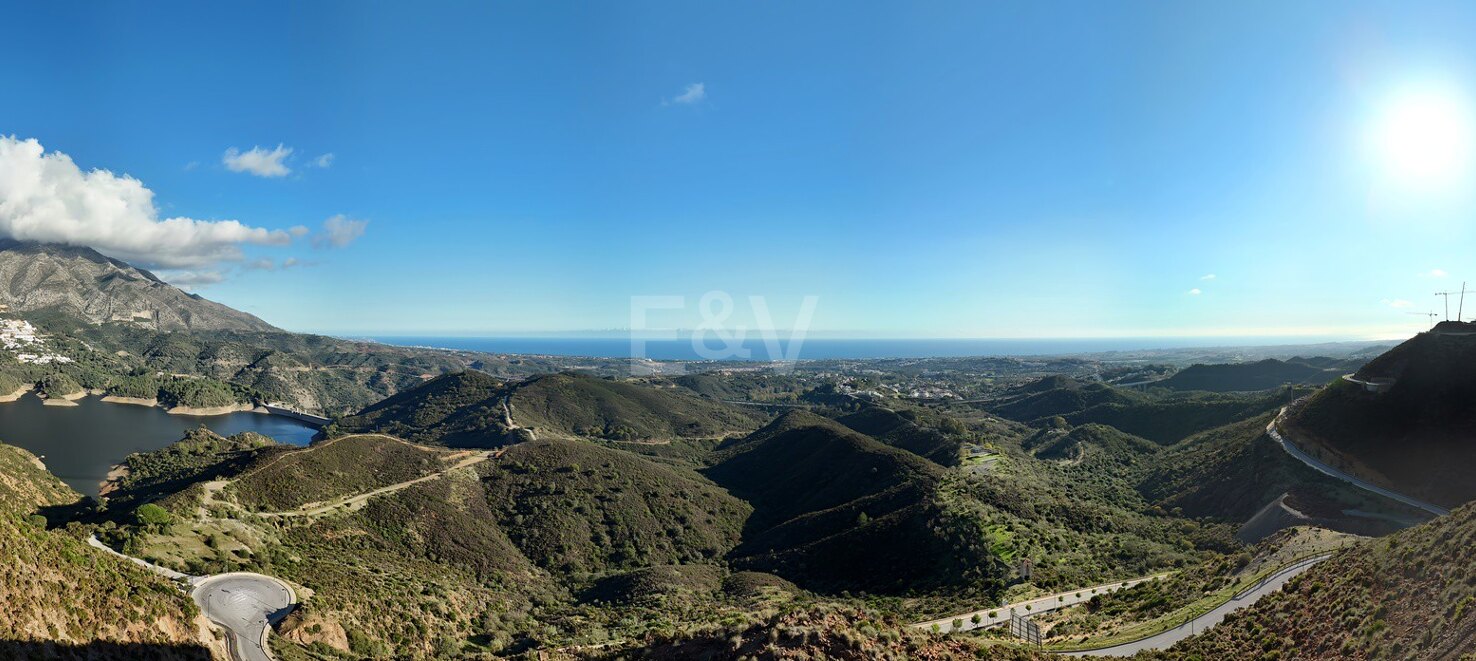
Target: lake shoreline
[[87, 441], [113, 480], [188, 411], [206, 411], [17, 394], [131, 401], [69, 399]]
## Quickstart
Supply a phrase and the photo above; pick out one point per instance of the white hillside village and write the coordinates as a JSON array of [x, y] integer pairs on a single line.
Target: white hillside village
[[20, 338]]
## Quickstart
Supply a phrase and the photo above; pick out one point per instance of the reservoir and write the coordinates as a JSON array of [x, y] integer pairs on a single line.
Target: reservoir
[[81, 443]]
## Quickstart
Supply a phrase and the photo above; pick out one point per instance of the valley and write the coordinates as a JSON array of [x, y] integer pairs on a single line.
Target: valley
[[674, 331], [492, 506]]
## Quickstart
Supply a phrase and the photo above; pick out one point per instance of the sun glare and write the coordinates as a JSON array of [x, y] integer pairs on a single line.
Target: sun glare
[[1423, 138]]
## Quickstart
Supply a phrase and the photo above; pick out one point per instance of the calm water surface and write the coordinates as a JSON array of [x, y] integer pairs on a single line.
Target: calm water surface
[[81, 443]]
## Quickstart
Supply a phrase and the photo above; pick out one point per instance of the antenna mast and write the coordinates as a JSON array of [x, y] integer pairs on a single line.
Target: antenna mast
[[1446, 294]]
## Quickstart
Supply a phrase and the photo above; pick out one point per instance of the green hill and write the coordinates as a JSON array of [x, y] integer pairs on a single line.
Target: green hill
[[1419, 437], [1173, 418], [336, 468], [1411, 595], [578, 509], [1059, 395], [201, 455], [470, 409], [1073, 444], [463, 409], [898, 431], [831, 505], [1159, 417], [579, 406], [1260, 375], [466, 559]]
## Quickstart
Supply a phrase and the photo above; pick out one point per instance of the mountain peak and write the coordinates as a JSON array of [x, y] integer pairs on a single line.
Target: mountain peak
[[93, 288]]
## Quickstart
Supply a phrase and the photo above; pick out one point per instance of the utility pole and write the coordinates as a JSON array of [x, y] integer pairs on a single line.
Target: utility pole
[[1462, 304]]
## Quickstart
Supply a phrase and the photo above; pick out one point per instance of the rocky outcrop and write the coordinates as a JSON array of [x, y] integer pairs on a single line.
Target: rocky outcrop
[[85, 284]]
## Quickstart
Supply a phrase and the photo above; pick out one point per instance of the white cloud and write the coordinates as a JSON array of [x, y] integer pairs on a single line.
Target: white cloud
[[298, 231], [46, 197], [323, 161], [1195, 292], [192, 279], [1436, 273], [1397, 303], [1207, 276], [258, 161], [339, 231], [693, 93], [262, 264]]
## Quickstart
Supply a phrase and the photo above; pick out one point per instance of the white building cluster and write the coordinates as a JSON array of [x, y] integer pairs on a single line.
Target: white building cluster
[[20, 338]]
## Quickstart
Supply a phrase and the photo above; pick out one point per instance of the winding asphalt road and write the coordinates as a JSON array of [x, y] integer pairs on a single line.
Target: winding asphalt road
[[1325, 469], [245, 605], [1199, 624]]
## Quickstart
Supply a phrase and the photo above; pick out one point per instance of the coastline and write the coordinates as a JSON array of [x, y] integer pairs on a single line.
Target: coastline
[[131, 401], [112, 480], [69, 399], [205, 411], [17, 394]]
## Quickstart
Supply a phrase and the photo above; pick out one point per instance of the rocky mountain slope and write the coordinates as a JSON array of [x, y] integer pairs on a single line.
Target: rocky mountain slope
[[87, 285]]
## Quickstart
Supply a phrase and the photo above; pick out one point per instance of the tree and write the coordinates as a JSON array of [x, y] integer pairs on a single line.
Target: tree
[[153, 516]]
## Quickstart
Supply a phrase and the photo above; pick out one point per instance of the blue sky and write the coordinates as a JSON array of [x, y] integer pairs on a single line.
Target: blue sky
[[924, 169]]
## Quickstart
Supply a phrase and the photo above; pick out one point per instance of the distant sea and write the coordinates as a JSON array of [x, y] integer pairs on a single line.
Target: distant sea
[[830, 348]]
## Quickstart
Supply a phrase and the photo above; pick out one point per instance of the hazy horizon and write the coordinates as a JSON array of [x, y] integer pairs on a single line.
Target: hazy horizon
[[956, 170]]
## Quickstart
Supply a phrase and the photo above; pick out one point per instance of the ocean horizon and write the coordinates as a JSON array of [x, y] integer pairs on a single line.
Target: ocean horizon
[[823, 348]]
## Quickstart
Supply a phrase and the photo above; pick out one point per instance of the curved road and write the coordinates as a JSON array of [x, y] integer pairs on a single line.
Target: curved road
[[1199, 624], [242, 603], [245, 605], [1325, 469]]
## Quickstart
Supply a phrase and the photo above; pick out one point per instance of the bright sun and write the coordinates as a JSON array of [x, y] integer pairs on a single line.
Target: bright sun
[[1424, 138]]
